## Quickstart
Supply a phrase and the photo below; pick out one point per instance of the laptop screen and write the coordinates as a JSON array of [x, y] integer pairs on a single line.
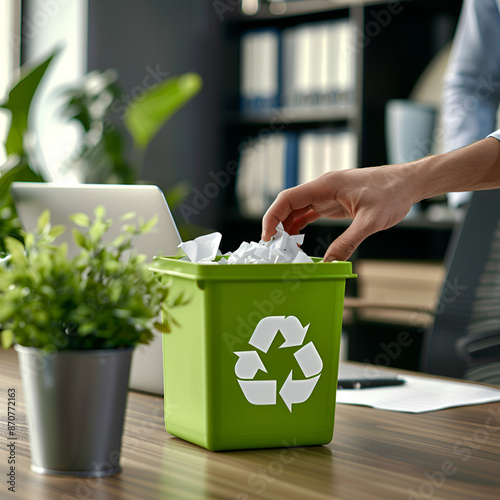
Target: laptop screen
[[146, 201]]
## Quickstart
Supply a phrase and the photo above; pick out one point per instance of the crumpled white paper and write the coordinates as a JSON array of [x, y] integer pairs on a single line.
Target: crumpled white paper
[[202, 249], [281, 248]]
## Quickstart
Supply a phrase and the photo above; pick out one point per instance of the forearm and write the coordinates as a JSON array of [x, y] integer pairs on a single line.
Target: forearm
[[376, 198], [472, 168]]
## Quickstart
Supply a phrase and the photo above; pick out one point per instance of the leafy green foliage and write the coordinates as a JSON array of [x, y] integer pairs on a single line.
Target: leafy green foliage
[[104, 298], [102, 109], [145, 116], [99, 105], [19, 102], [15, 169], [92, 102], [18, 166]]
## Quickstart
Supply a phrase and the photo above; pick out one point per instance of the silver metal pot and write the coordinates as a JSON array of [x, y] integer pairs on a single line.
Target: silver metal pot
[[75, 403]]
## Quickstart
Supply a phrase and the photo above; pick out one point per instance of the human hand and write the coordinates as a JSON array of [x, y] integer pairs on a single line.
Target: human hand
[[375, 198]]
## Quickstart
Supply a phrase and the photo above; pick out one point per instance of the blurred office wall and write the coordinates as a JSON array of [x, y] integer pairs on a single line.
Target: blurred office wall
[[145, 42], [46, 24], [153, 39]]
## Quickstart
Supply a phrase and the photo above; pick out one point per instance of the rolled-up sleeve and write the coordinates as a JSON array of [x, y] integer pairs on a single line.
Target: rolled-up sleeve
[[495, 134]]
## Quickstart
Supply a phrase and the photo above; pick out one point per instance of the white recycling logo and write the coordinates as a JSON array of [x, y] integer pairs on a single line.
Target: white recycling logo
[[293, 391]]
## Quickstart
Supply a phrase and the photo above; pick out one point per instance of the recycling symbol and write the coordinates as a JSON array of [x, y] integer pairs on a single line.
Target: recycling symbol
[[293, 391]]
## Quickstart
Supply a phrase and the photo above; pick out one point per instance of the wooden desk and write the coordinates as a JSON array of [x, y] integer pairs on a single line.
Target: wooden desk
[[449, 454]]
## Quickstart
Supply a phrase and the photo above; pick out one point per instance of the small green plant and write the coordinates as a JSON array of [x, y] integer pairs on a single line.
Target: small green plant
[[104, 298]]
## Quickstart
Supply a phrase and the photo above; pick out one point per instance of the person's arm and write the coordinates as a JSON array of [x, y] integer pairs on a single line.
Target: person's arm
[[377, 198]]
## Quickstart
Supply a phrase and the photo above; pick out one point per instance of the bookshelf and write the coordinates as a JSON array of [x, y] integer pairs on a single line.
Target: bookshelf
[[390, 46], [394, 42]]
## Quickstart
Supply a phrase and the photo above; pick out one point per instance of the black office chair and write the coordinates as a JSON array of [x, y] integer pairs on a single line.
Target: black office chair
[[464, 340]]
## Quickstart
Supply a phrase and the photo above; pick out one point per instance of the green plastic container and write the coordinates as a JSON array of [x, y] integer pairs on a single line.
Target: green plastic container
[[254, 362]]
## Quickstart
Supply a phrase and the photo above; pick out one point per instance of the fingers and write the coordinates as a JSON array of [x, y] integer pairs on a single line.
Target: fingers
[[290, 223], [269, 223], [299, 219], [345, 245], [295, 200]]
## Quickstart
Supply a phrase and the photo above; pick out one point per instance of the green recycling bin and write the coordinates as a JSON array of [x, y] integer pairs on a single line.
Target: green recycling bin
[[254, 360]]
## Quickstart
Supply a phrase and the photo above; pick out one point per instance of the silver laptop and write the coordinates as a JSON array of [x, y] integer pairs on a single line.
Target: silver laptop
[[31, 198]]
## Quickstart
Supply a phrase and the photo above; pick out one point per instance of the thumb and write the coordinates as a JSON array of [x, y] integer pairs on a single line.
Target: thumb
[[345, 245]]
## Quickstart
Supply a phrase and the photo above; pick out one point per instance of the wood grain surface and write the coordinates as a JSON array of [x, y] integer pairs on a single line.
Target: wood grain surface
[[449, 454]]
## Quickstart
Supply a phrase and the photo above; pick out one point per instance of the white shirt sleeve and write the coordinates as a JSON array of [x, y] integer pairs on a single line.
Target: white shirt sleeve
[[471, 87], [471, 91], [495, 134]]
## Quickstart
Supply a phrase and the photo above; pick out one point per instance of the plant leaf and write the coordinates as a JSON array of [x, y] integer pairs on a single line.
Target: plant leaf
[[80, 239], [127, 216], [179, 300], [80, 219], [163, 327], [29, 240], [56, 231], [7, 338], [19, 101], [15, 169], [146, 228], [99, 212], [146, 115], [43, 221], [16, 250]]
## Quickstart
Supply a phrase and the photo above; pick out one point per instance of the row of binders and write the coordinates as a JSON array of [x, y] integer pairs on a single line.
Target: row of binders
[[282, 160], [309, 65]]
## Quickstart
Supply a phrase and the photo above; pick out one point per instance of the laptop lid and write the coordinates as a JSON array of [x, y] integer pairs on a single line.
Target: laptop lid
[[31, 198]]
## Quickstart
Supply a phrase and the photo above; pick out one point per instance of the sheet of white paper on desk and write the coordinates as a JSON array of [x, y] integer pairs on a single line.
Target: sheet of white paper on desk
[[419, 395]]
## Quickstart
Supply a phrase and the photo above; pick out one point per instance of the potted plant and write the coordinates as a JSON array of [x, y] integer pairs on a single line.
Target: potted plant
[[75, 323]]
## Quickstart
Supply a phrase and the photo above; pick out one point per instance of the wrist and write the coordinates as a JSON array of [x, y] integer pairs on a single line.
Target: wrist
[[431, 176], [470, 168]]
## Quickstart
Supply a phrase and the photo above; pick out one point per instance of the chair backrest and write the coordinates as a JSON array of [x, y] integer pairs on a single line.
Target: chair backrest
[[465, 334]]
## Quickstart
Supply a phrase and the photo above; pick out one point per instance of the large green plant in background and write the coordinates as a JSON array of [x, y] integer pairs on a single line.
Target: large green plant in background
[[18, 166], [109, 125]]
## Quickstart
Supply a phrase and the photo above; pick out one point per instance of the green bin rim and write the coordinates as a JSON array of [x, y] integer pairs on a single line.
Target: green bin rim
[[318, 270]]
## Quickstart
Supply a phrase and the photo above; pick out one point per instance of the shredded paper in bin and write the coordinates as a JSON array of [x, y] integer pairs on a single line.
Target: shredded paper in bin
[[281, 248]]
